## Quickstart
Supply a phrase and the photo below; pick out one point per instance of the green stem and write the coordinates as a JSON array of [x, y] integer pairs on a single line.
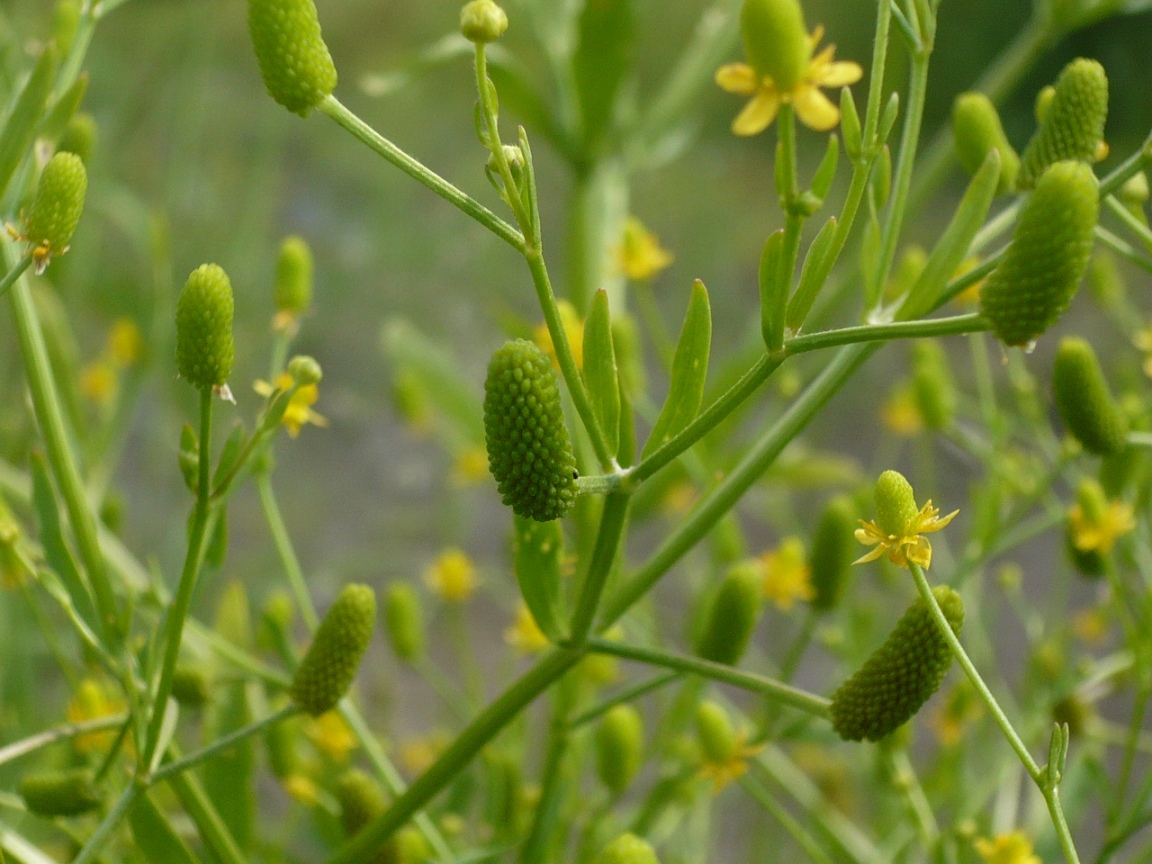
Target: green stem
[[793, 224], [970, 323], [421, 174], [542, 836], [109, 824], [612, 523], [787, 821], [14, 274], [204, 814], [815, 705], [178, 613], [627, 695], [876, 77], [599, 484], [1123, 249], [1131, 745], [221, 744], [486, 91], [60, 733], [1142, 231], [283, 543]]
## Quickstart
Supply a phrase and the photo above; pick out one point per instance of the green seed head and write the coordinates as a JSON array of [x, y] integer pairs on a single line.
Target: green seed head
[[1084, 401], [79, 136], [776, 41], [732, 615], [404, 619], [204, 347], [290, 49], [715, 733], [482, 21], [190, 686], [932, 384], [529, 452], [628, 849], [1072, 127], [1134, 193], [833, 550], [57, 206], [1050, 249], [293, 292], [327, 670], [361, 800], [59, 793], [977, 131], [895, 503], [305, 371], [619, 747], [1043, 102], [900, 676]]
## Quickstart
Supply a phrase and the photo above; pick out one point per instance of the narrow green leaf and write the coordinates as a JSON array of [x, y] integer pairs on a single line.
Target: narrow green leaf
[[229, 778], [626, 452], [56, 551], [817, 265], [850, 126], [229, 453], [773, 295], [881, 179], [156, 839], [826, 173], [689, 371], [536, 560], [20, 130], [870, 261], [888, 118], [607, 31], [600, 368], [956, 240]]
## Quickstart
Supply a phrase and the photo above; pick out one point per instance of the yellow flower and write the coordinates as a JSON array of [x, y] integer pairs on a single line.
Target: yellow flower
[[1099, 532], [331, 736], [299, 411], [1091, 625], [471, 466], [1143, 341], [960, 710], [302, 789], [525, 634], [1013, 848], [573, 329], [970, 296], [418, 754], [99, 382], [125, 344], [640, 255], [900, 415], [787, 576], [905, 547], [452, 576], [721, 773], [813, 108], [93, 700]]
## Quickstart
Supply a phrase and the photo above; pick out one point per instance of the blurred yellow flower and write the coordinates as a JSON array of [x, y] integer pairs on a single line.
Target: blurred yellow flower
[[721, 773], [94, 699], [418, 754], [909, 546], [970, 296], [470, 466], [330, 735], [525, 634], [573, 330], [452, 576], [302, 789], [640, 254], [299, 411], [1099, 533], [1012, 848], [125, 343], [951, 720], [100, 381], [813, 108], [900, 414], [1092, 625], [787, 576]]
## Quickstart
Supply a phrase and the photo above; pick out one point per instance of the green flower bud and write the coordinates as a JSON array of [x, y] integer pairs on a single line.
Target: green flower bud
[[79, 136], [56, 207], [293, 292], [404, 619], [628, 849], [204, 347], [932, 384], [901, 674], [1134, 193], [1043, 102], [895, 503], [1041, 271], [732, 615], [482, 21], [361, 800], [529, 452], [59, 793], [190, 686], [1084, 401], [619, 747], [327, 670], [305, 371], [290, 49], [715, 733], [776, 41], [977, 131], [833, 550], [1073, 124]]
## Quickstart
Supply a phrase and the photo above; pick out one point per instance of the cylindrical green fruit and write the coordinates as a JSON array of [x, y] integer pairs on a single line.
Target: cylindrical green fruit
[[58, 203], [833, 550], [529, 451], [628, 849], [715, 733], [293, 292], [290, 49], [1073, 124], [1084, 401], [932, 384], [404, 619], [977, 131], [361, 799], [1042, 269], [204, 347], [776, 41], [895, 503], [732, 615], [59, 793], [901, 674], [619, 747], [79, 136], [327, 670], [190, 686]]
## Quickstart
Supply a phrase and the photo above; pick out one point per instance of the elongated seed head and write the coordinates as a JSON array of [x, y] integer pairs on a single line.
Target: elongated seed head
[[58, 203], [833, 549], [932, 384], [895, 502], [901, 674], [714, 731], [59, 793], [776, 40], [204, 347], [361, 799], [977, 131], [732, 615], [1072, 127], [404, 619], [293, 293], [619, 747], [1051, 246], [327, 670], [628, 849], [529, 451], [290, 49], [1084, 401]]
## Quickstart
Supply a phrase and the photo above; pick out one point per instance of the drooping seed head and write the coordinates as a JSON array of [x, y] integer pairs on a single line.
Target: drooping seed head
[[1072, 127], [56, 207], [59, 793], [977, 131], [776, 40], [732, 615], [294, 61], [619, 747], [204, 347], [1084, 400], [327, 670]]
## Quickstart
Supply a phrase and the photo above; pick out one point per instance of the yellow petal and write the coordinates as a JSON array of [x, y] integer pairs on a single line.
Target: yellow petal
[[737, 78], [878, 552], [758, 114], [815, 36], [920, 552], [814, 109], [840, 74]]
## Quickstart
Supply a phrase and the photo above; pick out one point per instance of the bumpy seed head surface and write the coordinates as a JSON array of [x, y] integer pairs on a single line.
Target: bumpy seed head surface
[[204, 346], [294, 61], [1073, 122], [731, 616], [1050, 249], [529, 451], [294, 276], [327, 670], [1084, 401], [58, 203], [895, 502], [59, 793], [900, 676]]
